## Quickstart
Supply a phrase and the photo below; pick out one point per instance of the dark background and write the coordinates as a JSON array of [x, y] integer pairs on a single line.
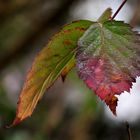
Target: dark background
[[69, 111]]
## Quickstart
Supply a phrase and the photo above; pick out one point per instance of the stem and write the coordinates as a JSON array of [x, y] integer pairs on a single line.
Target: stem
[[120, 7], [128, 130]]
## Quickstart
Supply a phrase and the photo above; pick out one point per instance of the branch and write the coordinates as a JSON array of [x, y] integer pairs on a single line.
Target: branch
[[128, 131], [136, 16], [23, 45], [14, 8]]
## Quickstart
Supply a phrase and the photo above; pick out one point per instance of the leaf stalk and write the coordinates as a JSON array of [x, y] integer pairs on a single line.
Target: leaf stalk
[[118, 10]]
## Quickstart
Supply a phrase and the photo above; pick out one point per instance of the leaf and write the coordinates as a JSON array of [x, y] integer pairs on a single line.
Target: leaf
[[54, 59], [108, 59], [105, 16]]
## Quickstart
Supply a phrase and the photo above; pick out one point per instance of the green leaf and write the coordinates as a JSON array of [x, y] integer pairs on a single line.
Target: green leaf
[[105, 16], [56, 58], [108, 59]]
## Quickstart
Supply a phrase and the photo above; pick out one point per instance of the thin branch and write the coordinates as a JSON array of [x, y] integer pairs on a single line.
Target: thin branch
[[118, 10], [128, 130]]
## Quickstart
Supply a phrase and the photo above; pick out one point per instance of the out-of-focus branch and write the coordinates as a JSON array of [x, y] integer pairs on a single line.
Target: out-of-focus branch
[[23, 45], [136, 16], [11, 8]]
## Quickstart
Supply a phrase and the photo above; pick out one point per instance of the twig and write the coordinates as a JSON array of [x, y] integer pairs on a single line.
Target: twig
[[120, 7], [128, 130]]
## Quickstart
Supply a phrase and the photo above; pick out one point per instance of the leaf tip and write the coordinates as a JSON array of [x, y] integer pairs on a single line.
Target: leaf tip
[[106, 15], [112, 103], [16, 121]]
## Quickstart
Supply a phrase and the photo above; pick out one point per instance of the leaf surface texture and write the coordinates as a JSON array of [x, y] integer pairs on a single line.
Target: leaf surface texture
[[108, 59]]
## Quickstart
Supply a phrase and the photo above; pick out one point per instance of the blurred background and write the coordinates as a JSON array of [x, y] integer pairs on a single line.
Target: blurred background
[[69, 111]]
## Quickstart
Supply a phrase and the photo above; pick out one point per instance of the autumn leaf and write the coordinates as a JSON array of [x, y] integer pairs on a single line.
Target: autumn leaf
[[108, 58], [55, 59]]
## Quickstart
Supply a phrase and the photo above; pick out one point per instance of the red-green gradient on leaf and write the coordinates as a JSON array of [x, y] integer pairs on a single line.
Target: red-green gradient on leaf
[[108, 59], [55, 59]]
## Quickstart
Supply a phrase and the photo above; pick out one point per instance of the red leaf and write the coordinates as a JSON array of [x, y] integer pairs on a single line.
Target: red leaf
[[108, 59]]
